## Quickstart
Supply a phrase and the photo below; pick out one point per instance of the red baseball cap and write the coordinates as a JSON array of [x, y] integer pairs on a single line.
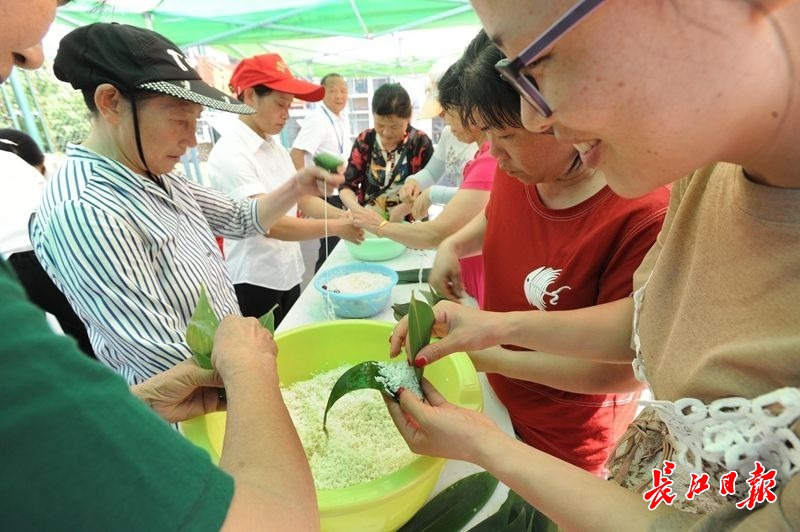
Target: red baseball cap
[[271, 71]]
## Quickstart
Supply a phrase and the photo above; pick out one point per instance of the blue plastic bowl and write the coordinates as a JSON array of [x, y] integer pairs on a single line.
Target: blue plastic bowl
[[361, 305]]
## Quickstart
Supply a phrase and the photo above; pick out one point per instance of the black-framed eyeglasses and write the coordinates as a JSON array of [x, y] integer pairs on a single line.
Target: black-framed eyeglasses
[[511, 69]]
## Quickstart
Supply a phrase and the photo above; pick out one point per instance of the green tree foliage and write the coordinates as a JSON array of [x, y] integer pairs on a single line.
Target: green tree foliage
[[62, 107]]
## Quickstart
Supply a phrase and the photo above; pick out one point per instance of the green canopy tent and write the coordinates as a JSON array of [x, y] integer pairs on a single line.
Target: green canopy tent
[[357, 38]]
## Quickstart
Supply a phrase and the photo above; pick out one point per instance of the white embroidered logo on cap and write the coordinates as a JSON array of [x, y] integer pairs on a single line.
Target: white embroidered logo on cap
[[186, 85], [180, 60], [537, 284]]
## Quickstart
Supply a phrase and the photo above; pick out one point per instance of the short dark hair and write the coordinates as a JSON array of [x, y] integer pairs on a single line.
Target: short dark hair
[[260, 90], [449, 87], [21, 144], [486, 94], [326, 77], [391, 99]]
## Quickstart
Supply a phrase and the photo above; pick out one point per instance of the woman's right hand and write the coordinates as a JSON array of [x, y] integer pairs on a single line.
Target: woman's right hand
[[445, 275], [409, 191], [460, 328], [346, 229], [240, 344], [440, 428], [367, 219], [315, 181]]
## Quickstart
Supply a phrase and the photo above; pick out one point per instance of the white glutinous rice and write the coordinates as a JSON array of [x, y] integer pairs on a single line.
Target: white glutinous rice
[[357, 283], [362, 443], [399, 375]]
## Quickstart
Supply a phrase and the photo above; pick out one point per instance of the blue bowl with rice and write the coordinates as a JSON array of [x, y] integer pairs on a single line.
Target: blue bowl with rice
[[356, 290]]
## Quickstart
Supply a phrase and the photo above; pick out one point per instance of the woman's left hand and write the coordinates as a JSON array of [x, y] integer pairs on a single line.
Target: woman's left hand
[[421, 205], [440, 428], [182, 392], [367, 219], [399, 212]]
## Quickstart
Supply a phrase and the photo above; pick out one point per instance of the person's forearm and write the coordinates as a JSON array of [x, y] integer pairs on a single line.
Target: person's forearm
[[273, 206], [261, 447], [573, 498], [601, 333], [298, 158], [292, 229], [349, 199], [563, 373], [317, 207], [441, 195], [421, 235], [468, 241]]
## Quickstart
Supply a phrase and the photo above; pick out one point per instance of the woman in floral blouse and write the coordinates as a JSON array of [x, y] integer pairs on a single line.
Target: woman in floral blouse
[[384, 156]]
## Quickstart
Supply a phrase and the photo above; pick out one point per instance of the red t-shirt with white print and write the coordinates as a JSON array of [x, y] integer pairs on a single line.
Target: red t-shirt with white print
[[536, 258]]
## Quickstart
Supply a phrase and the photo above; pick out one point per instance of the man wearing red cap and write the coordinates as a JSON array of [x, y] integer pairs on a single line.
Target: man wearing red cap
[[247, 162]]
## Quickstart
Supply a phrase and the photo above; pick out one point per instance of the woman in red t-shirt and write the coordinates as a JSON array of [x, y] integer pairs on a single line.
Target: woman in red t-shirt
[[553, 237]]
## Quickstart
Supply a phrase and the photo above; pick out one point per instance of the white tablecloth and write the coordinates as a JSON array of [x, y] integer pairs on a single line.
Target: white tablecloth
[[310, 308]]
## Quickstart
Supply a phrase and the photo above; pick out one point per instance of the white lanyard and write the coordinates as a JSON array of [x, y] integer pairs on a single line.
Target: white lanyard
[[339, 136]]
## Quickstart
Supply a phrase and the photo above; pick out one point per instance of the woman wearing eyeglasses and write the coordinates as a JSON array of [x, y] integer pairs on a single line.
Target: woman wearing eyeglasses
[[650, 92]]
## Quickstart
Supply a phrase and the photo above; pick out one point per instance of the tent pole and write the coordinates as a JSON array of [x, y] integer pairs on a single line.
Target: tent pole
[[42, 120], [12, 112], [22, 101]]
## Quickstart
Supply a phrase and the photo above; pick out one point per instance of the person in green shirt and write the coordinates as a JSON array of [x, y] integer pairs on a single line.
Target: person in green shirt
[[82, 452]]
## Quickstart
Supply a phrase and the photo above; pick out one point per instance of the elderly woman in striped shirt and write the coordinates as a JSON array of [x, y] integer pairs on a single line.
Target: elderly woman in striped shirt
[[128, 241]]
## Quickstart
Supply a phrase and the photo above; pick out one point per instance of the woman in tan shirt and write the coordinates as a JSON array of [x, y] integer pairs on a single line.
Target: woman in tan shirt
[[713, 322]]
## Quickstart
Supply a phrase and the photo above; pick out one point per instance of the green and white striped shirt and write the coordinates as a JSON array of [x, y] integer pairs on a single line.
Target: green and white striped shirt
[[130, 256]]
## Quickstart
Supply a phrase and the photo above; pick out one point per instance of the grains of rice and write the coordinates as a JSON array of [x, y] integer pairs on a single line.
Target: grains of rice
[[399, 375], [362, 443], [357, 283]]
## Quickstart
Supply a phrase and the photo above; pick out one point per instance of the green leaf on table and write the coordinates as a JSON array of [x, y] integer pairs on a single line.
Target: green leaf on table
[[201, 330], [455, 506], [268, 320], [542, 523], [420, 324], [515, 515], [359, 377], [400, 310], [412, 276]]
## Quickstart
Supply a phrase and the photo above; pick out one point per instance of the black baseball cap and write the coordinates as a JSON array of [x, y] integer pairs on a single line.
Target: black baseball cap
[[132, 58]]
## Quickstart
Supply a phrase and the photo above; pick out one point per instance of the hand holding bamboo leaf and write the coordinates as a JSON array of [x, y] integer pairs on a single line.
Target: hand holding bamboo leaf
[[388, 378]]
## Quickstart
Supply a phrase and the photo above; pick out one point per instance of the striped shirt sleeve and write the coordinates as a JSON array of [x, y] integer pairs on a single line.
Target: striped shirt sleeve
[[103, 264], [227, 217]]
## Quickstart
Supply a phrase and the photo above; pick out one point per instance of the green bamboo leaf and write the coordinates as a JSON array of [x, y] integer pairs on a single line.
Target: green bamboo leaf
[[420, 324], [542, 523], [515, 515], [412, 276], [400, 310], [359, 377], [432, 296], [201, 329], [268, 320], [453, 508]]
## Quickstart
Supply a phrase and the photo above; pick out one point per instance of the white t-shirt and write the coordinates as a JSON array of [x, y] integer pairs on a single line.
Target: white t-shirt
[[323, 130], [242, 164], [21, 188]]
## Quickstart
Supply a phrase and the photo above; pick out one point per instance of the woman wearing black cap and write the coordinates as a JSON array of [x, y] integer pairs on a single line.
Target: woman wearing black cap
[[129, 242], [81, 453]]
